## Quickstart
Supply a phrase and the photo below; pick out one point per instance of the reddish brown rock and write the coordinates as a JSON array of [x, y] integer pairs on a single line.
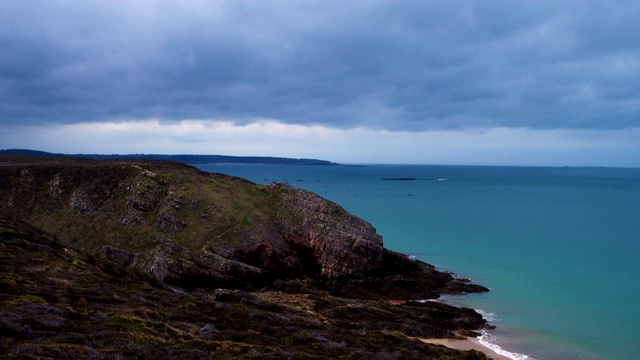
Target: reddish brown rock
[[338, 242]]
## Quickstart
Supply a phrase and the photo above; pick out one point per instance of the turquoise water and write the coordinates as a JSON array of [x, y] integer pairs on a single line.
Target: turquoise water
[[559, 247]]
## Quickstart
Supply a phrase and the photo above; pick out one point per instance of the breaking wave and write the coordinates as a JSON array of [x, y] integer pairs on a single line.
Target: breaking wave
[[487, 340]]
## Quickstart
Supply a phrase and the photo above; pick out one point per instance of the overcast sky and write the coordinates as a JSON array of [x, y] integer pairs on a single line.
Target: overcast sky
[[434, 82]]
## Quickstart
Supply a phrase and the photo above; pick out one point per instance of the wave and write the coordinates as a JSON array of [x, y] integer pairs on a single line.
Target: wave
[[484, 340], [489, 316], [487, 340]]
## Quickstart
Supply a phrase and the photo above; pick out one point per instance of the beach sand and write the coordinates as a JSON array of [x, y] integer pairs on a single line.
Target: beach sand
[[466, 344]]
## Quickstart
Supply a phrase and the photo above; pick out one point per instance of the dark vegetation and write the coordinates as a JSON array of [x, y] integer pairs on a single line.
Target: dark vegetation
[[151, 260], [57, 302]]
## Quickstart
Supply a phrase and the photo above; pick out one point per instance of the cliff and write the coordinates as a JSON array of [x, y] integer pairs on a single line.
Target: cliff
[[166, 224]]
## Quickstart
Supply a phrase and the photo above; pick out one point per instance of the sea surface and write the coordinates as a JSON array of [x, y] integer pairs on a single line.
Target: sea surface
[[558, 247]]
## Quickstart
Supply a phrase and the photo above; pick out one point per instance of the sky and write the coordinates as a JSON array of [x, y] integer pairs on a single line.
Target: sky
[[500, 82]]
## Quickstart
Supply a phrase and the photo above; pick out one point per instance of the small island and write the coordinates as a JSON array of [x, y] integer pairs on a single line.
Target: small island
[[400, 179]]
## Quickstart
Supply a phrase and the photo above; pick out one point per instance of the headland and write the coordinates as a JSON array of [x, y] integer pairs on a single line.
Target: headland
[[118, 258]]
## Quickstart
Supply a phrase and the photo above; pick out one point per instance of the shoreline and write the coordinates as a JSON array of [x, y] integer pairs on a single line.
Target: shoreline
[[466, 344]]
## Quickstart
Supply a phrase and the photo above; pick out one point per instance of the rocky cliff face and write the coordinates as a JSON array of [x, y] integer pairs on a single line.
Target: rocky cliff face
[[340, 243], [194, 229]]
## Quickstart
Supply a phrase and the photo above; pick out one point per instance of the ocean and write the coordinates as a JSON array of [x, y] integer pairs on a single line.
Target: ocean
[[558, 246]]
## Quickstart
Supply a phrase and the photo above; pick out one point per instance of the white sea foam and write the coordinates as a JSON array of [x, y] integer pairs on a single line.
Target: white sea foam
[[489, 316], [428, 300], [485, 340]]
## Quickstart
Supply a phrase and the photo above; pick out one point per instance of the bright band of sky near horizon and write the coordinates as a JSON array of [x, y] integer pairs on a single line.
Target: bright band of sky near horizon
[[501, 82], [496, 146]]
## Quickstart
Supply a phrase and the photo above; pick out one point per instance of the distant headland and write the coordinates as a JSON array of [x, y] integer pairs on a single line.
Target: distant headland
[[184, 158]]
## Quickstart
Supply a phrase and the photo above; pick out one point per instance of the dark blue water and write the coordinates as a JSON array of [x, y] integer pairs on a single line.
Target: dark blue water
[[559, 247]]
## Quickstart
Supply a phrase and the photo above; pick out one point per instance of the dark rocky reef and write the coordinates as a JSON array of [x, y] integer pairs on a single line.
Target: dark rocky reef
[[132, 242]]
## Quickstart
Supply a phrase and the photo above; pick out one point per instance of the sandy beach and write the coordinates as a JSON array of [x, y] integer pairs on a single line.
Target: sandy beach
[[466, 344]]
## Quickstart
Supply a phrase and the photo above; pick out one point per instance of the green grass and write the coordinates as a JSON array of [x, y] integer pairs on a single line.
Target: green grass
[[34, 299]]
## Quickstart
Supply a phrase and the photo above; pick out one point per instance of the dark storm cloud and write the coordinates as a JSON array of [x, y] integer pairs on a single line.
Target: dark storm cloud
[[380, 64]]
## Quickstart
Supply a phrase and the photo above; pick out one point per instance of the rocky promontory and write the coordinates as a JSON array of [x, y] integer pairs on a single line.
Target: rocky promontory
[[205, 265]]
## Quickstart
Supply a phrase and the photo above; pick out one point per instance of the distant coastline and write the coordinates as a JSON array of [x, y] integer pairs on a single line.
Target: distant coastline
[[184, 158]]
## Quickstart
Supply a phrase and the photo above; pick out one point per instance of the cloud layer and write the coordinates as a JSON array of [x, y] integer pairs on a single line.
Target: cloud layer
[[380, 65]]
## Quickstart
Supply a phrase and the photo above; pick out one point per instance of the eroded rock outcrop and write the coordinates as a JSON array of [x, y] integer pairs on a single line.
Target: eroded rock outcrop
[[340, 243]]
